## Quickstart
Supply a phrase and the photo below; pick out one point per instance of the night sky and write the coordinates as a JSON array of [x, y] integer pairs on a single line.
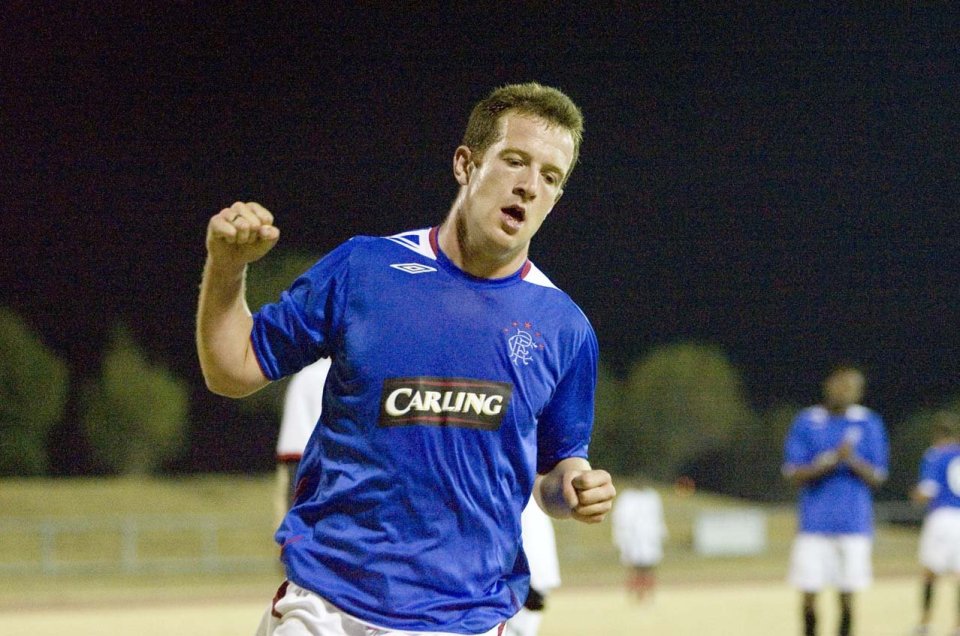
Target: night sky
[[783, 184]]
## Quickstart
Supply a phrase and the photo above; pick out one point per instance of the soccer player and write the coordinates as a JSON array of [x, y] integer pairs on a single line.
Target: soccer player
[[540, 548], [939, 490], [302, 405], [461, 381], [836, 452], [639, 530]]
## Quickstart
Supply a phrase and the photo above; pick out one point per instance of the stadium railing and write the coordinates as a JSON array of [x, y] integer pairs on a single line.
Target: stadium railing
[[136, 544]]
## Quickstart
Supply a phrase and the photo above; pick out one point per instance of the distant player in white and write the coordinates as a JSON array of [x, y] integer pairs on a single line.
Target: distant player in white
[[540, 546], [639, 530], [939, 490], [837, 453], [302, 405]]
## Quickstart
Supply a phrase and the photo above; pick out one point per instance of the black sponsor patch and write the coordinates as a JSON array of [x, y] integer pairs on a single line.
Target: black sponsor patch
[[459, 402]]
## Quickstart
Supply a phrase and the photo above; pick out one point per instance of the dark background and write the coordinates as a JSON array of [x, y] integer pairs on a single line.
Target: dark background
[[780, 182]]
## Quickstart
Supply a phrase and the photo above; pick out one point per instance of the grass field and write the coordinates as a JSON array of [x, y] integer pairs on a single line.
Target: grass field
[[739, 609], [743, 596]]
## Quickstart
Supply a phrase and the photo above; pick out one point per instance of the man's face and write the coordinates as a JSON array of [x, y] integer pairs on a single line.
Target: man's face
[[843, 388], [511, 189]]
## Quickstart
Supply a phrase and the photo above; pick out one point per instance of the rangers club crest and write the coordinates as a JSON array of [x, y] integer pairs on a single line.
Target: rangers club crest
[[523, 341]]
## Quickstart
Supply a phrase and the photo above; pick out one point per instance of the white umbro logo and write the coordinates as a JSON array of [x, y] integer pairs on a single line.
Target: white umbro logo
[[413, 268]]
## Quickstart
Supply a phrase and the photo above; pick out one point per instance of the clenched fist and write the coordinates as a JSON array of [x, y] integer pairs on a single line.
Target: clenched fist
[[241, 234], [589, 494]]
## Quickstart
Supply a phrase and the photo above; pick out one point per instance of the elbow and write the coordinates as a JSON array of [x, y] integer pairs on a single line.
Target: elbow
[[878, 477], [789, 474], [218, 388], [225, 387]]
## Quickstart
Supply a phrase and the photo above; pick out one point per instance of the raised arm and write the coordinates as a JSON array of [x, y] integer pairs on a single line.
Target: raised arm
[[574, 489], [236, 236]]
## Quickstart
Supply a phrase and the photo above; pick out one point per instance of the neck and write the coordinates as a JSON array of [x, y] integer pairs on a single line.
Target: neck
[[470, 256]]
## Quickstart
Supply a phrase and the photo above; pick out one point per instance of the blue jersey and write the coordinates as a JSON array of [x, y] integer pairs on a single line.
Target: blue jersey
[[839, 502], [447, 393], [940, 476]]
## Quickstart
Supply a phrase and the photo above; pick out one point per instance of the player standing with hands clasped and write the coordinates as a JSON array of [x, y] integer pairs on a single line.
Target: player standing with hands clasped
[[939, 490], [837, 453], [461, 381]]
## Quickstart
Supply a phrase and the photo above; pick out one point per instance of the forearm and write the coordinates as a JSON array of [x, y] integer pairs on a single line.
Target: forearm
[[548, 489], [866, 471], [224, 325], [823, 464]]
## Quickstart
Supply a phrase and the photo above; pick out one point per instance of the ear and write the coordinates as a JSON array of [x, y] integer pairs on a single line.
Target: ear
[[462, 165]]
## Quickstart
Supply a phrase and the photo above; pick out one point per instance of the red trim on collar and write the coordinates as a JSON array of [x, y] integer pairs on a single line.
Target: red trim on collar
[[527, 266]]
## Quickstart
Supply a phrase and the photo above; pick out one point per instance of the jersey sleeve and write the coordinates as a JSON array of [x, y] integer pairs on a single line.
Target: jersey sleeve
[[301, 327], [796, 451], [877, 450], [565, 425]]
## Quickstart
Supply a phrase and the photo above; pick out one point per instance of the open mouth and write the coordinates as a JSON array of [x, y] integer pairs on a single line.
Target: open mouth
[[515, 212]]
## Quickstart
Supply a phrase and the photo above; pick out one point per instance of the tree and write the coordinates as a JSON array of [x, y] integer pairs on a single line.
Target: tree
[[33, 393], [135, 415], [752, 461], [607, 446], [681, 401]]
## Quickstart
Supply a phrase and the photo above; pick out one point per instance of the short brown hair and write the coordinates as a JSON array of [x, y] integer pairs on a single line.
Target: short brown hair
[[530, 98]]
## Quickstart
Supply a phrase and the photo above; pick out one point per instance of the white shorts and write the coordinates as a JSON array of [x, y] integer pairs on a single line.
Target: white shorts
[[642, 553], [299, 612], [842, 561], [940, 541]]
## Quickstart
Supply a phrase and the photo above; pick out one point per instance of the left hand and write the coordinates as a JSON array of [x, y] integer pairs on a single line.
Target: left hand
[[589, 493]]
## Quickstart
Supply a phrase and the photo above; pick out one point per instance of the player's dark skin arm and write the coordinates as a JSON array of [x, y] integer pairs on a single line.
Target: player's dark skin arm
[[919, 498], [862, 469], [829, 461], [824, 464]]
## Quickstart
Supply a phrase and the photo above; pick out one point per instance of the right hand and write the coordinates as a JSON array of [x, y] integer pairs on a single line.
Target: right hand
[[241, 234]]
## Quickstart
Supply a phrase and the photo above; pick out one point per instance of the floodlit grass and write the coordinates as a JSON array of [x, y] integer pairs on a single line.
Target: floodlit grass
[[588, 559], [730, 609]]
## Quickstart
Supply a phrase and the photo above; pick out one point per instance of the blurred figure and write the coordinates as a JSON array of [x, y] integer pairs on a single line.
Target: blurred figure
[[639, 530], [836, 452], [938, 489], [540, 547], [302, 404]]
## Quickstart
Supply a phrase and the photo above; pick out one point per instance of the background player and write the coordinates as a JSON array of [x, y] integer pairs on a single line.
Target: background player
[[540, 547], [837, 453], [939, 490], [461, 381], [302, 405], [639, 530]]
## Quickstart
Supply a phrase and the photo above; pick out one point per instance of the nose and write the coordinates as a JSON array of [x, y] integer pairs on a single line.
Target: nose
[[526, 186]]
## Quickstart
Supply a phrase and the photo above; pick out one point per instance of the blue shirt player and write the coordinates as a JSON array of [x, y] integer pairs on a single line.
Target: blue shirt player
[[938, 489], [836, 452], [461, 381]]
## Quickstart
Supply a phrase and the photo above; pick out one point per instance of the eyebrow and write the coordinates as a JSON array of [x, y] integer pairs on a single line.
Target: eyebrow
[[548, 167]]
